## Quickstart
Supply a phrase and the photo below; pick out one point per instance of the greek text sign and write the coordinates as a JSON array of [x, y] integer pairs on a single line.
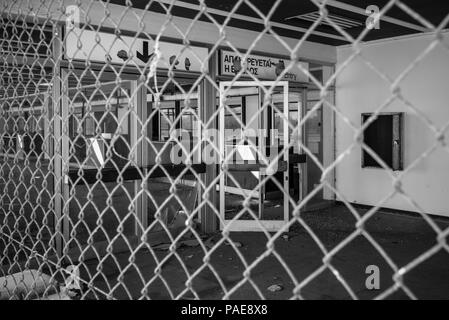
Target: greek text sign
[[103, 47], [262, 67]]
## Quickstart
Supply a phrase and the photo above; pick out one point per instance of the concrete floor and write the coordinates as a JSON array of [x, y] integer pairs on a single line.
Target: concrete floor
[[25, 213], [402, 237], [26, 206]]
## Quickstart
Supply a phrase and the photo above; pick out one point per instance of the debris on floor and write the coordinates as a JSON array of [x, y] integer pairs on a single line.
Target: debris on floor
[[237, 244], [180, 243], [56, 296], [209, 243], [26, 284], [190, 243], [162, 246], [212, 240], [275, 288], [176, 226], [287, 236], [73, 288]]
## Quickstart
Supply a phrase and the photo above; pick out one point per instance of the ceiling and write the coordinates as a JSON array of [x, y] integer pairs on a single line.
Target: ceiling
[[434, 11], [34, 78]]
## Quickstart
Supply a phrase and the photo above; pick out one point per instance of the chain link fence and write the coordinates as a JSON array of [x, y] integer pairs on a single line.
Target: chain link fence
[[130, 170]]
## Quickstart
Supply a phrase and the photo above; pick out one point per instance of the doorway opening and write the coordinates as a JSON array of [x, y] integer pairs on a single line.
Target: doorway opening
[[254, 162]]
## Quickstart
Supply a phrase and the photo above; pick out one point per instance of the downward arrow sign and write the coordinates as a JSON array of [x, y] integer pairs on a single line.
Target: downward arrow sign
[[144, 56]]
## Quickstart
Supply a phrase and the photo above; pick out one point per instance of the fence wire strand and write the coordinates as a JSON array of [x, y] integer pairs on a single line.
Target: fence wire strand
[[85, 178]]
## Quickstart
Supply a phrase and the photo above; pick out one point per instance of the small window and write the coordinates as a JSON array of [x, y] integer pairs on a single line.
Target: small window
[[384, 137]]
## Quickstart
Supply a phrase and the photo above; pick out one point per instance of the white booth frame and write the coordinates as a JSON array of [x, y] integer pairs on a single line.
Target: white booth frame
[[259, 224]]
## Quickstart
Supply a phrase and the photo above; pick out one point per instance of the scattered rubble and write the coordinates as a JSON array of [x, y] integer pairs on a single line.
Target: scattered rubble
[[275, 288], [162, 246], [209, 243], [212, 240], [25, 284], [175, 226], [186, 243], [190, 243], [237, 244]]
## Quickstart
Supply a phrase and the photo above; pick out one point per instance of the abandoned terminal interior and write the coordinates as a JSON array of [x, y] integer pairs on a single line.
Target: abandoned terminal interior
[[191, 149]]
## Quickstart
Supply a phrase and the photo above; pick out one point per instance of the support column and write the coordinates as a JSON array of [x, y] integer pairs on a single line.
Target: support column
[[147, 131], [55, 144], [208, 218], [65, 157], [138, 114], [328, 135]]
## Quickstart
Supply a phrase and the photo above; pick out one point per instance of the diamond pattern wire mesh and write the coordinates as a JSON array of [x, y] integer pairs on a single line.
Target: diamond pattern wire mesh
[[65, 223]]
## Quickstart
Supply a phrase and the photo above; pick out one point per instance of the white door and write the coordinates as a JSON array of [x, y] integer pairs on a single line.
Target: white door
[[254, 187]]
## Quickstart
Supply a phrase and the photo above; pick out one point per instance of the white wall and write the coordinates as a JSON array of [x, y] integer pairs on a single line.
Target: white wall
[[426, 87]]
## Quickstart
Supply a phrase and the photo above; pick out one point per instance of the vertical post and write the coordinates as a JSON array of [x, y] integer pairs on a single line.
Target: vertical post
[[261, 147], [46, 145], [54, 144], [221, 142], [207, 107], [328, 135], [65, 157], [146, 109], [303, 166], [286, 153], [299, 138], [136, 141]]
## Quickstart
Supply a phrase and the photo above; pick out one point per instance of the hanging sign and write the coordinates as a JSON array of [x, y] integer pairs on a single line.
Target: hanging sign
[[262, 67], [107, 47]]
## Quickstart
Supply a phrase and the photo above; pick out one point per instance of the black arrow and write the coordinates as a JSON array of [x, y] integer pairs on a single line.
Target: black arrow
[[144, 56]]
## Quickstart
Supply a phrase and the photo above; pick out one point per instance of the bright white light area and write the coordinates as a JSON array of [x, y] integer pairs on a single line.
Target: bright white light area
[[246, 153], [97, 151]]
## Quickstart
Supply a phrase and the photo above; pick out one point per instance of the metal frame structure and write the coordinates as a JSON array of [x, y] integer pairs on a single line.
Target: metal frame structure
[[62, 167], [260, 224]]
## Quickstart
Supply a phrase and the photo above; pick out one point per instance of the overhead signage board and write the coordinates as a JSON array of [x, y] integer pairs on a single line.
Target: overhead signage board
[[262, 67], [104, 47]]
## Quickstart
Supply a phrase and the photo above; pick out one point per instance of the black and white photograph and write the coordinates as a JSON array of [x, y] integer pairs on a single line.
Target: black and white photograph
[[253, 151]]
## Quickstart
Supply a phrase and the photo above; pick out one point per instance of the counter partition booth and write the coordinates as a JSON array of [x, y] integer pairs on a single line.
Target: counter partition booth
[[120, 149]]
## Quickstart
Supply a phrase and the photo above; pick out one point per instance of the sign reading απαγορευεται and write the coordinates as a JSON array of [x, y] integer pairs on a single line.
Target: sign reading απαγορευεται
[[263, 67]]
